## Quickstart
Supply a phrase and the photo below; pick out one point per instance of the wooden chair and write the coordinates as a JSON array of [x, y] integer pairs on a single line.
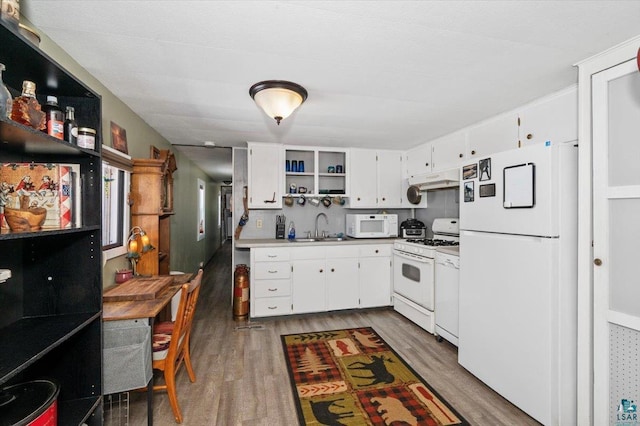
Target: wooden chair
[[171, 343]]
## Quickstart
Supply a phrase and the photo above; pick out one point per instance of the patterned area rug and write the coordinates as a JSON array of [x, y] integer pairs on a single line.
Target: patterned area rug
[[352, 377]]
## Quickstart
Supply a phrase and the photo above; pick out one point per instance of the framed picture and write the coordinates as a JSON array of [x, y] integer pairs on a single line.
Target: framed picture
[[468, 192], [201, 205], [155, 153], [119, 138], [470, 171], [485, 169], [487, 190]]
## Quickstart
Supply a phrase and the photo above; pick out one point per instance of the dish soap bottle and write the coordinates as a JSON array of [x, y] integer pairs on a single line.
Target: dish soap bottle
[[292, 231]]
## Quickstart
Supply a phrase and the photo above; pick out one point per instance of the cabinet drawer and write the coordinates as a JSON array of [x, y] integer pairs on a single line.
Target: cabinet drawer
[[272, 306], [271, 270], [374, 250], [271, 254], [271, 288], [341, 251]]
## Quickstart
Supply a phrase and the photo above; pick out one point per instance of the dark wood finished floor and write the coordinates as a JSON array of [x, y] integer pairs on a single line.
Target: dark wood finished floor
[[242, 377]]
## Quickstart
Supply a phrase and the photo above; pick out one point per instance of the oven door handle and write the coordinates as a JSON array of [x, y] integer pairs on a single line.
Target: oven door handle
[[410, 256]]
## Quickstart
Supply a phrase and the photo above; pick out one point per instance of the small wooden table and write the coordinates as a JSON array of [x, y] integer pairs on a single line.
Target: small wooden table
[[141, 308]]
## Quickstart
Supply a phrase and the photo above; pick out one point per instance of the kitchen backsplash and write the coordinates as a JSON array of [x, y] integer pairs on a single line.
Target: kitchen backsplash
[[304, 218], [440, 203]]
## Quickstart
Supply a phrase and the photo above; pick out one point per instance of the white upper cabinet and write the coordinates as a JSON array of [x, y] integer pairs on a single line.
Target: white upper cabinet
[[448, 151], [390, 179], [375, 178], [364, 178], [553, 119], [264, 187], [494, 135], [418, 160]]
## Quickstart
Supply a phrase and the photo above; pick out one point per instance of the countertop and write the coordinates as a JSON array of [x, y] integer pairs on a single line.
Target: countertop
[[272, 242], [454, 250]]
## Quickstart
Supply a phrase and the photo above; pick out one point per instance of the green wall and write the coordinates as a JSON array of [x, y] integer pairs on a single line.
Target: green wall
[[186, 251]]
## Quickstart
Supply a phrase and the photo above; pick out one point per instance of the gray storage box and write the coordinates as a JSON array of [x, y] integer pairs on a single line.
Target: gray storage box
[[127, 355]]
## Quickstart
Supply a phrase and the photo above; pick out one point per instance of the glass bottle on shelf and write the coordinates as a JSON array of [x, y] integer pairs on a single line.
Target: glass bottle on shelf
[[5, 97], [26, 109], [55, 118], [70, 126]]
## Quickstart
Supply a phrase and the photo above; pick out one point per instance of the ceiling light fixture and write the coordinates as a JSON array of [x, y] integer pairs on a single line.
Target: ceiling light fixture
[[278, 98]]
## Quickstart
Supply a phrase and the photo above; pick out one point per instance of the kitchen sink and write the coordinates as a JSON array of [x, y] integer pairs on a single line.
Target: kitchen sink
[[319, 239]]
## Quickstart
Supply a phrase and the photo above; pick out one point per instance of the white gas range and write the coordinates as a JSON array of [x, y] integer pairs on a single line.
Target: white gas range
[[414, 272]]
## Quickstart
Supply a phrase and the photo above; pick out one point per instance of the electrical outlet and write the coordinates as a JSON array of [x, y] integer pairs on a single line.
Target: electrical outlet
[[259, 223]]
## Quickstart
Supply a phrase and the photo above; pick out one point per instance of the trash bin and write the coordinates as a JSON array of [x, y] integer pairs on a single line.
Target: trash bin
[[127, 355]]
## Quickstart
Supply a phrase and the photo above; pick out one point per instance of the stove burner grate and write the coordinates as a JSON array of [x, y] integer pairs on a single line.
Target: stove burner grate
[[433, 242]]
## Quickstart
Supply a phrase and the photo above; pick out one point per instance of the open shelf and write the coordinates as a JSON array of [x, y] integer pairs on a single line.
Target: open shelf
[[10, 235], [29, 339], [76, 411]]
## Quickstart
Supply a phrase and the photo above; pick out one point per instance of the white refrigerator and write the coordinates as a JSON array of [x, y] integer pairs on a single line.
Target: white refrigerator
[[518, 278]]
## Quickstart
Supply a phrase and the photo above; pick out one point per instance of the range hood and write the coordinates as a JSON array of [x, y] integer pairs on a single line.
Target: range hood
[[440, 180]]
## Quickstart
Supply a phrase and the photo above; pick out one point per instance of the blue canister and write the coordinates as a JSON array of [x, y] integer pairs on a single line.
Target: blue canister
[[301, 166], [288, 166], [339, 168], [294, 165]]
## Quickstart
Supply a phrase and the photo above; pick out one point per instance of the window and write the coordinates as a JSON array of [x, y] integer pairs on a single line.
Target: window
[[116, 178]]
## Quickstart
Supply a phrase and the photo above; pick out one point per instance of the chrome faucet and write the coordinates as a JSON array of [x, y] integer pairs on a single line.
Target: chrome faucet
[[325, 218]]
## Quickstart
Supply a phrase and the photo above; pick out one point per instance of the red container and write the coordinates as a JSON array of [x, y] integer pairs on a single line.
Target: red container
[[32, 403]]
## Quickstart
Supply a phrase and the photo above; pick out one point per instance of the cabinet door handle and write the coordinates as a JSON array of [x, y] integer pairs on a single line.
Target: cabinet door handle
[[273, 289], [460, 155], [376, 251], [358, 198], [272, 255], [426, 164], [597, 262], [272, 307], [321, 271], [473, 152], [273, 272], [333, 270], [384, 199], [529, 136]]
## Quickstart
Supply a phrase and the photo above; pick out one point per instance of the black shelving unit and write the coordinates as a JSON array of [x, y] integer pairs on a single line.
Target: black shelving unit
[[51, 307]]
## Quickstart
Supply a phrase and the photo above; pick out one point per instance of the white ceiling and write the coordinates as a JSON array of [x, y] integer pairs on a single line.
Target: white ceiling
[[380, 74]]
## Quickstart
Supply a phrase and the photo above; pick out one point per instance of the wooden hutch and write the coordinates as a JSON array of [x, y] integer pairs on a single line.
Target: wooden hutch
[[152, 207]]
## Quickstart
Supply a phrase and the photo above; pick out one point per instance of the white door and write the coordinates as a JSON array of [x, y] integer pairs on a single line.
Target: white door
[[448, 152], [616, 230], [389, 178], [265, 176], [418, 160], [375, 281], [513, 334], [342, 283], [363, 178], [308, 286]]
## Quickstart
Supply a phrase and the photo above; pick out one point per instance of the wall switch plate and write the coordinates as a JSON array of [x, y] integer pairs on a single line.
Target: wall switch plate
[[5, 274], [259, 223]]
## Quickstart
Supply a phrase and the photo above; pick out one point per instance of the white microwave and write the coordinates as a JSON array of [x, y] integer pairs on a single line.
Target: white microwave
[[372, 225]]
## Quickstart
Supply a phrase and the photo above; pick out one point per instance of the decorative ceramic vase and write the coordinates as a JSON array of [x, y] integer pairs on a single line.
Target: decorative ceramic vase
[[123, 275]]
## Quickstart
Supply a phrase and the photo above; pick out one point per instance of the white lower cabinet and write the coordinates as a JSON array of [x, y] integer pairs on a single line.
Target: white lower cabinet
[[308, 286], [270, 286], [342, 278], [374, 275], [304, 279]]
